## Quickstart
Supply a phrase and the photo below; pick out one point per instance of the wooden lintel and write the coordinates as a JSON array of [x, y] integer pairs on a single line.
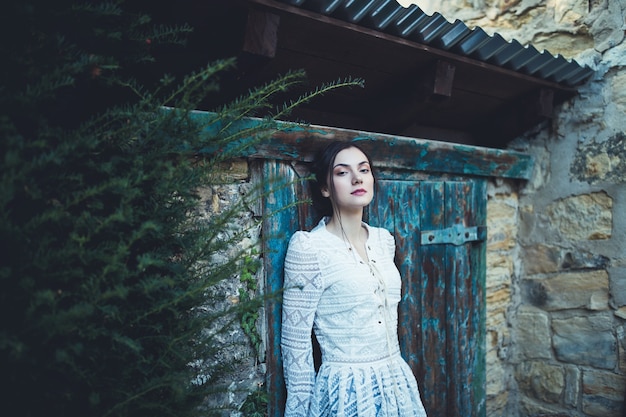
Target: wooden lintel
[[261, 37], [300, 143], [443, 79]]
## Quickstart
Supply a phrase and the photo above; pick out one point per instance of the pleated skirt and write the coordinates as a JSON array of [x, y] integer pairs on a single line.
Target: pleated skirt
[[384, 388]]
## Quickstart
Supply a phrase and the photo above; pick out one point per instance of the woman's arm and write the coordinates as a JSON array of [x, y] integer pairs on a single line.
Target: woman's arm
[[302, 290]]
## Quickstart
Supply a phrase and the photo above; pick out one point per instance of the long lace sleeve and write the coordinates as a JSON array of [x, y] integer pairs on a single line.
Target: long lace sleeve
[[302, 290]]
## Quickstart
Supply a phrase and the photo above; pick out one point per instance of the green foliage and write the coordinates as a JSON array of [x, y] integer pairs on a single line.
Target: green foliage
[[249, 314], [255, 404], [107, 263]]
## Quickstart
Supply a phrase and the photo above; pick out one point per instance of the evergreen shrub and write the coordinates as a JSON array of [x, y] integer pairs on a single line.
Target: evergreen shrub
[[106, 263]]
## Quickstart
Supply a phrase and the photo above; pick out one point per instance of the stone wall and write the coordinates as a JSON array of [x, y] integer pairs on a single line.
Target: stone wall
[[568, 325], [502, 248], [246, 371], [559, 347]]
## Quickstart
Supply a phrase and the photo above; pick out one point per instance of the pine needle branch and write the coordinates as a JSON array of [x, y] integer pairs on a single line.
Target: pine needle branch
[[325, 88]]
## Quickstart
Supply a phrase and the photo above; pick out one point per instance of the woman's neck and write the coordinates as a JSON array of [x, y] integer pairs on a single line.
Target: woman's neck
[[348, 226]]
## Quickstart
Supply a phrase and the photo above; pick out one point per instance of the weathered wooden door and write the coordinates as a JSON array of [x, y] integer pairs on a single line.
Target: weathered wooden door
[[441, 256], [438, 226]]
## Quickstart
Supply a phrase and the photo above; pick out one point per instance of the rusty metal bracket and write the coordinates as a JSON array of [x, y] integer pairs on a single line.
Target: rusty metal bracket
[[455, 235]]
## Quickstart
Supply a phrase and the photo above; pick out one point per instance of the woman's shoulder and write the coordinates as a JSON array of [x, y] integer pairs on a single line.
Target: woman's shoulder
[[380, 233], [305, 236], [307, 239], [383, 239], [300, 237]]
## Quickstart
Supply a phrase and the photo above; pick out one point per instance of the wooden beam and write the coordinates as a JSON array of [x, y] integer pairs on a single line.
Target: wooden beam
[[294, 142], [261, 37], [443, 78]]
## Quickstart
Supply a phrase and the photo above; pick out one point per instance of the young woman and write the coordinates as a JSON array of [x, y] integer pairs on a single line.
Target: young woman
[[341, 281]]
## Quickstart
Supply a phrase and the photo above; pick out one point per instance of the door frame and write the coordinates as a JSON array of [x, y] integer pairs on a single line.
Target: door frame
[[287, 151]]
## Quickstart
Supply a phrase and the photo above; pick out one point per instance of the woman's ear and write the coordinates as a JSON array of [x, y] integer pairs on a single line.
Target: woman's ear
[[325, 192]]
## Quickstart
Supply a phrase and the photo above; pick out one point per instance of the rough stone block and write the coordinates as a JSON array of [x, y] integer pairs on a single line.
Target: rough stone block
[[541, 259], [532, 408], [572, 386], [571, 290], [499, 276], [496, 320], [541, 380], [618, 93], [570, 11], [235, 170], [583, 217], [603, 393], [602, 161], [501, 223], [533, 334], [497, 404], [607, 29], [499, 259], [502, 208], [496, 380], [586, 340], [621, 339], [501, 238], [582, 260], [618, 286], [498, 300]]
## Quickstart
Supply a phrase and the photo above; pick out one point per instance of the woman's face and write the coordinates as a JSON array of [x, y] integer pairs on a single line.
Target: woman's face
[[353, 181]]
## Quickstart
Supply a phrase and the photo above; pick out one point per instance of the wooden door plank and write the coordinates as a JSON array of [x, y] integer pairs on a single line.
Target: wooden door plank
[[406, 224], [280, 220], [472, 336], [430, 264], [478, 260], [396, 209], [465, 204], [458, 304]]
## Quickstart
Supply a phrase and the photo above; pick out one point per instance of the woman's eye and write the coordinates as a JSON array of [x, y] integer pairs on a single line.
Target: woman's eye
[[365, 170]]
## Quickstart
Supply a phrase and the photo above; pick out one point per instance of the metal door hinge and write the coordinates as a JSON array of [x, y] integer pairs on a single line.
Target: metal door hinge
[[455, 235]]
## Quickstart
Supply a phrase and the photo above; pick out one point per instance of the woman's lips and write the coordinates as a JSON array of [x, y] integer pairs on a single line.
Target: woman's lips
[[360, 191]]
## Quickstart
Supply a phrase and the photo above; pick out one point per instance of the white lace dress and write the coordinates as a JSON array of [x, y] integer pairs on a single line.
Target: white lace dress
[[352, 307]]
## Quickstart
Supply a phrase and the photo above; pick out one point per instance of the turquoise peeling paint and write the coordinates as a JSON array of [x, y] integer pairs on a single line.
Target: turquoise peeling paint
[[289, 141]]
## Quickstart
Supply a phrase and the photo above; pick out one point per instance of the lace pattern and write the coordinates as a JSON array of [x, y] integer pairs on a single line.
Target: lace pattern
[[352, 307]]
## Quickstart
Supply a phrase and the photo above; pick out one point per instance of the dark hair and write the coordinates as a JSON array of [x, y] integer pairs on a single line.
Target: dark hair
[[322, 168]]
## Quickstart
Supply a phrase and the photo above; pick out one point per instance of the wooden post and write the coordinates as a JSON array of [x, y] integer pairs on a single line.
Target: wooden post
[[261, 37]]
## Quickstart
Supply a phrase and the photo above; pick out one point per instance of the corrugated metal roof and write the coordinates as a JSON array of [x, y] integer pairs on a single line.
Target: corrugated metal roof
[[436, 31]]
